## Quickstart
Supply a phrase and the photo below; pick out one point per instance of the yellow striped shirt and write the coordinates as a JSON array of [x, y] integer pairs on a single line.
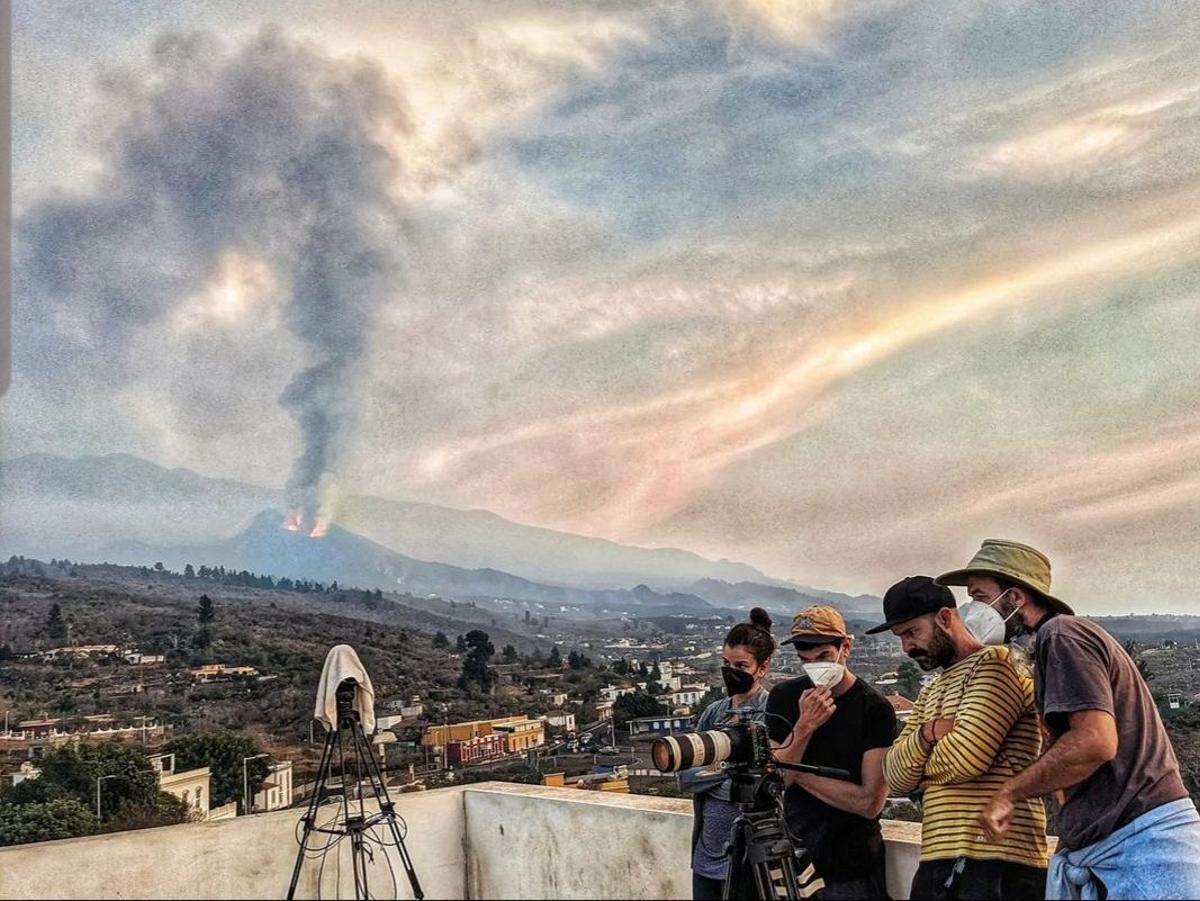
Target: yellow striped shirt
[[995, 736]]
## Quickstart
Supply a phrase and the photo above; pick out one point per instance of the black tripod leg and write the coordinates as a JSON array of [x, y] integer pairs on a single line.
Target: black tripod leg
[[389, 810], [736, 852], [405, 860], [354, 823], [310, 818]]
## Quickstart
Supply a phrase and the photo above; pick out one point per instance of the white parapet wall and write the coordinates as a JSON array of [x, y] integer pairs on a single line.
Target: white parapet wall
[[490, 840], [245, 857]]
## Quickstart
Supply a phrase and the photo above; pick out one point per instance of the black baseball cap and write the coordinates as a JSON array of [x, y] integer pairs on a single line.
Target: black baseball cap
[[910, 598]]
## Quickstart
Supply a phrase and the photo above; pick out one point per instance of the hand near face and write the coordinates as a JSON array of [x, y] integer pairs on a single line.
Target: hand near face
[[816, 707]]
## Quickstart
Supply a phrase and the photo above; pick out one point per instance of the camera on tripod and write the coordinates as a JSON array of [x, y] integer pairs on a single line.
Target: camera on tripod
[[740, 742], [764, 856]]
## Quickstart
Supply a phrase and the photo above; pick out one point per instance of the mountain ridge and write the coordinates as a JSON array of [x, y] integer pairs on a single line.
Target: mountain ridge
[[267, 548], [126, 496]]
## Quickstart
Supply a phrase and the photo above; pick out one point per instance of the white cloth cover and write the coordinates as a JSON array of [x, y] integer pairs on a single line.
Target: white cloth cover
[[342, 663]]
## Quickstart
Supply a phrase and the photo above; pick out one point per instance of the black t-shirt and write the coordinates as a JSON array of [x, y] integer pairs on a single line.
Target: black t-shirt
[[842, 844]]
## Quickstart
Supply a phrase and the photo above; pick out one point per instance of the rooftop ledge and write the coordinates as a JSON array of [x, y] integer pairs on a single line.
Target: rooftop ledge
[[488, 840]]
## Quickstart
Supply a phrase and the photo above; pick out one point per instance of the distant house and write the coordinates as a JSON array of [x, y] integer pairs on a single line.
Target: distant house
[[555, 697], [688, 696], [276, 790], [474, 750], [219, 672], [660, 725], [521, 734], [27, 771], [561, 720], [192, 787], [604, 710], [83, 650], [137, 658], [39, 729], [414, 708], [612, 692]]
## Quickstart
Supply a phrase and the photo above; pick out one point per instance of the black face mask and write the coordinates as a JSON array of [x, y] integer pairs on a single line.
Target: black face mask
[[737, 681]]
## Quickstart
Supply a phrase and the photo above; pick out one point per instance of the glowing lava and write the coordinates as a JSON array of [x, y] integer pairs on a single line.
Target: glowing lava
[[294, 522]]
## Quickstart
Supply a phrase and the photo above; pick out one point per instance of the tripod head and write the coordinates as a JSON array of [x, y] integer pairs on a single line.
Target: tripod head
[[347, 716]]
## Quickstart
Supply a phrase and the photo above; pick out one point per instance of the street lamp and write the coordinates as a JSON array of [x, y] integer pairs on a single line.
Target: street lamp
[[246, 800], [100, 779]]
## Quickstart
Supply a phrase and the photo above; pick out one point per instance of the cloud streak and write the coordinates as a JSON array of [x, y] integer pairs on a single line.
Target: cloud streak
[[647, 459]]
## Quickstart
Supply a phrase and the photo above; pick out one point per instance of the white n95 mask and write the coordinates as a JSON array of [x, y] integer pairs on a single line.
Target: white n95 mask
[[984, 622], [824, 675]]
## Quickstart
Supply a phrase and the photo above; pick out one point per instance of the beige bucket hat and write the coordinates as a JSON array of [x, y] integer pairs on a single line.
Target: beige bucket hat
[[1012, 560]]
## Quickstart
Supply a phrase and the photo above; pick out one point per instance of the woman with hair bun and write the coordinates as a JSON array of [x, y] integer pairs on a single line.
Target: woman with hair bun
[[746, 659]]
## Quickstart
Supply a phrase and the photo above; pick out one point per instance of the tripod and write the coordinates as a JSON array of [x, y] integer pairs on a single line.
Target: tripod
[[348, 743], [762, 846]]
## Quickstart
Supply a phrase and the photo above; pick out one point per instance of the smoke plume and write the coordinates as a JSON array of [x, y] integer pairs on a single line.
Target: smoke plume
[[268, 150]]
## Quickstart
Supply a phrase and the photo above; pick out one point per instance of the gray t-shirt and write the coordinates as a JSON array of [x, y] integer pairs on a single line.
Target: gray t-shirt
[[1078, 666]]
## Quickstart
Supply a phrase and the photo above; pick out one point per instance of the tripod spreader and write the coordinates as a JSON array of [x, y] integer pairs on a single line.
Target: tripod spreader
[[827, 771]]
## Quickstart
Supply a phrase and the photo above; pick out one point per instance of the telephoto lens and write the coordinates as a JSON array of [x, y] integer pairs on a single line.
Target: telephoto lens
[[692, 749]]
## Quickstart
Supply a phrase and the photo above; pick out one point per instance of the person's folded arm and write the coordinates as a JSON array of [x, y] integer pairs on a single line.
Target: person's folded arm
[[904, 763], [992, 702]]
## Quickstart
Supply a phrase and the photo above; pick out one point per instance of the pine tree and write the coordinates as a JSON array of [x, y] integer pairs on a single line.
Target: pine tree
[[475, 666], [205, 613], [55, 627]]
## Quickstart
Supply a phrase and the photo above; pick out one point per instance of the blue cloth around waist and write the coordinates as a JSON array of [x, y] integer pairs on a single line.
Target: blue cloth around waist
[[1156, 855]]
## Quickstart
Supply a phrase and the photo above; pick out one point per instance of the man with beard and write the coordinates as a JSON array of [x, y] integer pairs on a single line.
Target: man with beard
[[1126, 826], [971, 730]]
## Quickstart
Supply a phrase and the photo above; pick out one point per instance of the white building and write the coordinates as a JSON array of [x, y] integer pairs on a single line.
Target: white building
[[276, 791], [612, 692], [27, 771], [192, 787], [688, 696], [138, 658], [561, 720]]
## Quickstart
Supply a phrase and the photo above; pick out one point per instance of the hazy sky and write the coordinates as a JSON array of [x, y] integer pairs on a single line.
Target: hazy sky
[[835, 288]]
